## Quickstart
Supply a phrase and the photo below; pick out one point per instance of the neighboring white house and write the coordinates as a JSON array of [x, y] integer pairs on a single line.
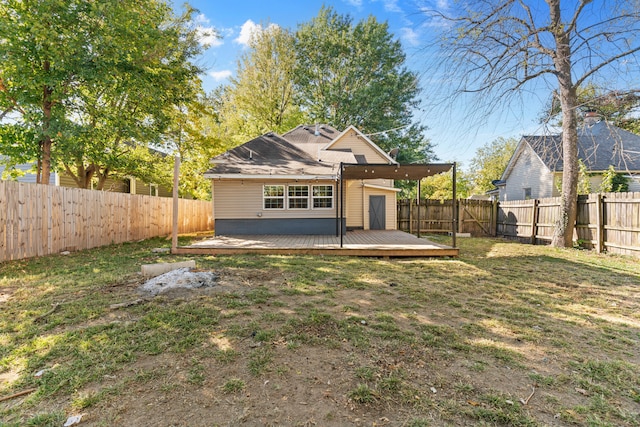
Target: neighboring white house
[[129, 185], [535, 169]]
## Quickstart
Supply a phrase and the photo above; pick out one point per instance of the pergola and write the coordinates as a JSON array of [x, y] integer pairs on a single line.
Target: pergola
[[413, 172]]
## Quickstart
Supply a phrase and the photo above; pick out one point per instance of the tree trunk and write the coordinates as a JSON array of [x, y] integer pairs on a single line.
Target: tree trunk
[[565, 225], [45, 143]]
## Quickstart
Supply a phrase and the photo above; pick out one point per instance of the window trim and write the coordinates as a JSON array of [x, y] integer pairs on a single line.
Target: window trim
[[265, 197], [290, 198], [331, 198]]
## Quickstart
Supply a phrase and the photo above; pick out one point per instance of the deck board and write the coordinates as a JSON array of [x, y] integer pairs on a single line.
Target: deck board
[[374, 243]]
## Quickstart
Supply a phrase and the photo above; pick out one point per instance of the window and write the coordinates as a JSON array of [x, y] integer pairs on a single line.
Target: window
[[153, 189], [527, 193], [322, 196], [273, 196], [298, 196]]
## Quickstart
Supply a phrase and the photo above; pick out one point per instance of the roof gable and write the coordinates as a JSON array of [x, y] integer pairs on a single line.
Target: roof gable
[[333, 145]]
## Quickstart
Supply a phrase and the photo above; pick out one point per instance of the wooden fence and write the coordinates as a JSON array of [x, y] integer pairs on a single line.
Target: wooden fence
[[606, 222], [38, 220], [476, 217]]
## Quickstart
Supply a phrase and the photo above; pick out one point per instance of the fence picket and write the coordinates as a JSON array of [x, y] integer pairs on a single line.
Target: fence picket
[[38, 220]]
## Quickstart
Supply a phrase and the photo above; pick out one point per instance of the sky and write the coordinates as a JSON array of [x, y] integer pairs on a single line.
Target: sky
[[453, 135]]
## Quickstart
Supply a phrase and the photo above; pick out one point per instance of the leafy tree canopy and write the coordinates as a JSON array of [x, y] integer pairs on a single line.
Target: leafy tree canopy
[[489, 163]]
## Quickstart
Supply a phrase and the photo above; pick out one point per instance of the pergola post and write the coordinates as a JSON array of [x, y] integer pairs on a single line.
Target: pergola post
[[418, 202], [341, 206], [454, 206]]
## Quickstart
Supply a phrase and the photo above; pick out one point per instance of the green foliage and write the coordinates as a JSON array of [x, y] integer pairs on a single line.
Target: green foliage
[[260, 98], [489, 163], [614, 182], [440, 187], [584, 182], [354, 74], [90, 82]]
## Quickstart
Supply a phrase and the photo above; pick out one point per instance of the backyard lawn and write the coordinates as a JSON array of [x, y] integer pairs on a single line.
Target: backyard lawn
[[508, 334]]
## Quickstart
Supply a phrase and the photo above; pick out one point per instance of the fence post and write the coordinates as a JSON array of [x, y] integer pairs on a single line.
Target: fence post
[[494, 218], [534, 221], [599, 223]]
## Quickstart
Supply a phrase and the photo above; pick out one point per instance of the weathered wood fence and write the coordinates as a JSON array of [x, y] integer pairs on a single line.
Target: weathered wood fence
[[476, 217], [606, 222], [38, 220]]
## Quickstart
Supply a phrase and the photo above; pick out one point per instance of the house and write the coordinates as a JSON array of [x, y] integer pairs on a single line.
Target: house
[[535, 169], [291, 184], [128, 185]]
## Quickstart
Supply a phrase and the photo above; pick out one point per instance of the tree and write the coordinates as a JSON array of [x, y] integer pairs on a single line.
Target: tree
[[95, 81], [355, 74], [260, 97], [44, 51], [501, 49], [440, 187], [489, 163], [614, 106]]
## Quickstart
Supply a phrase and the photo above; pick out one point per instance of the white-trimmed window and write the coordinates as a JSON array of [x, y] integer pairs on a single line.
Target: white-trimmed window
[[273, 196], [322, 196], [298, 196], [153, 190]]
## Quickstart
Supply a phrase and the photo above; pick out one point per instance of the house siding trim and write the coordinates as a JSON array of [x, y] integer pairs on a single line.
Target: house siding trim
[[283, 226]]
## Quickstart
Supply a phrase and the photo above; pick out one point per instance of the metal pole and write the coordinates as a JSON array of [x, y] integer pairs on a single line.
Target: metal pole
[[454, 221], [341, 205], [418, 202]]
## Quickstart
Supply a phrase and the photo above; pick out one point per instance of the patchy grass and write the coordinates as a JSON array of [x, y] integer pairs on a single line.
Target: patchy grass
[[506, 335]]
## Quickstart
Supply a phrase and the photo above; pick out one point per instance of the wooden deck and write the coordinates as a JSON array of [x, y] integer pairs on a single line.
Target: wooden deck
[[387, 243]]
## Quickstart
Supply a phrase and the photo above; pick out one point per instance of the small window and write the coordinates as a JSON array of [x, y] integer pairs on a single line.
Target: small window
[[527, 193], [273, 196], [322, 196], [153, 189], [298, 196]]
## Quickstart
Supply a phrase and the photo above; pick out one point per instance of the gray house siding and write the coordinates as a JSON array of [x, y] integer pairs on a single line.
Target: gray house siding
[[28, 176]]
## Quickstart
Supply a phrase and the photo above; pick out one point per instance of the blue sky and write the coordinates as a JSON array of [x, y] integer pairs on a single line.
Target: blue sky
[[454, 136]]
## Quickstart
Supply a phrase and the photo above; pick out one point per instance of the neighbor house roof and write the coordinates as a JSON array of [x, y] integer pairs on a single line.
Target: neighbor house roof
[[599, 146]]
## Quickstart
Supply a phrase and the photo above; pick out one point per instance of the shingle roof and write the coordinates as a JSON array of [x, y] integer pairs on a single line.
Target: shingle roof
[[305, 138], [268, 154], [599, 145], [297, 152]]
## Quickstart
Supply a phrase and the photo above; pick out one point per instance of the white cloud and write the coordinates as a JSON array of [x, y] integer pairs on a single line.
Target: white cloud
[[443, 4], [207, 35], [410, 36], [356, 3], [392, 6], [220, 75], [249, 30]]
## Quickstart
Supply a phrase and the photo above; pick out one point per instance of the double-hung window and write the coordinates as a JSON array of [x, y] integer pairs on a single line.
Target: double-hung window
[[322, 196], [298, 196], [273, 196]]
